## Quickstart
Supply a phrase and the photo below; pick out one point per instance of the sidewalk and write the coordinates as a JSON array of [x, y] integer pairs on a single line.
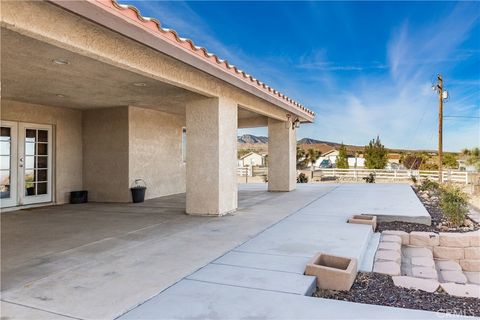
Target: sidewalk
[[263, 277]]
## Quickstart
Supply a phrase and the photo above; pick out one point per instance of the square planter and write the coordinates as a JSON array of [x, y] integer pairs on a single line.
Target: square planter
[[332, 272], [364, 219]]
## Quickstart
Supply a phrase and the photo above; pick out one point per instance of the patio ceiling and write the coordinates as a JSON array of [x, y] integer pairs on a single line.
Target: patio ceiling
[[30, 73]]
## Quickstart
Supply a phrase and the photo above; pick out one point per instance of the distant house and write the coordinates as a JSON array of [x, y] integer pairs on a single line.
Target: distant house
[[394, 158], [331, 157], [251, 159], [463, 165]]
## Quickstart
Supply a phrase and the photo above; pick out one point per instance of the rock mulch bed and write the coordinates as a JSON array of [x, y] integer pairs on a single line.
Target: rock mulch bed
[[430, 201], [379, 289]]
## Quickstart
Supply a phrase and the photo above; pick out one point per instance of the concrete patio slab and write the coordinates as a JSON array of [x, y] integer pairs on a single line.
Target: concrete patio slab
[[257, 279], [22, 312], [214, 301], [264, 261], [389, 202], [100, 260], [305, 239], [81, 263]]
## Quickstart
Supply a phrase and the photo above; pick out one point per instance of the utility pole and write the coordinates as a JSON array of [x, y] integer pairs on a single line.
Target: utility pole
[[440, 128], [442, 95]]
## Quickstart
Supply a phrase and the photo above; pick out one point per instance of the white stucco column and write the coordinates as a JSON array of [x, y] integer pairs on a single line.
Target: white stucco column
[[282, 146], [211, 156]]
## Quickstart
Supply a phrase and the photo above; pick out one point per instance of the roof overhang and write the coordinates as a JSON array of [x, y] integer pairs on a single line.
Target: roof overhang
[[127, 22]]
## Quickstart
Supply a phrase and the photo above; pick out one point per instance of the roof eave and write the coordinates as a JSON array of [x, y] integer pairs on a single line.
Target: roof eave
[[101, 13]]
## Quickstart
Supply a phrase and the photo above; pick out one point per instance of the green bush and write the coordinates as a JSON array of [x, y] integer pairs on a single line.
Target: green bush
[[429, 185], [454, 204]]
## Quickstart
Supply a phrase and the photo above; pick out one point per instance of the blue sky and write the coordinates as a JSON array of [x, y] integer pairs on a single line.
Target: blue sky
[[365, 68]]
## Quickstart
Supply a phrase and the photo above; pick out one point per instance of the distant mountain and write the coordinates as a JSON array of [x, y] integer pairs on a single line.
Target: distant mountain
[[260, 144], [251, 139], [310, 141]]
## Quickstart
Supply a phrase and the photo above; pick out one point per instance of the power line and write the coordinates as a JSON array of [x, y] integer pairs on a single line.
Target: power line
[[467, 117]]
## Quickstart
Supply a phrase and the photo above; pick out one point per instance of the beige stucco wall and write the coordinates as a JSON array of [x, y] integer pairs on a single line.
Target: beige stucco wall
[[105, 154], [155, 151], [67, 124], [211, 156]]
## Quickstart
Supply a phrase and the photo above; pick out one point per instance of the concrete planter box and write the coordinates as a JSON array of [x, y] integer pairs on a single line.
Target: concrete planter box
[[364, 219], [332, 272]]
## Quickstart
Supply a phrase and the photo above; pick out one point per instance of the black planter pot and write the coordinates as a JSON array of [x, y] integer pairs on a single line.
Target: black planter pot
[[31, 191], [138, 194], [79, 196]]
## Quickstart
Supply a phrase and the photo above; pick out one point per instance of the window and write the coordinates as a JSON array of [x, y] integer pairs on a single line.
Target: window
[[184, 144]]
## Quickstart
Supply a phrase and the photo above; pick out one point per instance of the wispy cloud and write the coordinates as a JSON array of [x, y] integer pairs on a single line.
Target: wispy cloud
[[400, 105], [358, 97]]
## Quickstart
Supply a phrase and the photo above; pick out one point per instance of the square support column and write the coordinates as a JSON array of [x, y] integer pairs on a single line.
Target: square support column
[[211, 156], [282, 153]]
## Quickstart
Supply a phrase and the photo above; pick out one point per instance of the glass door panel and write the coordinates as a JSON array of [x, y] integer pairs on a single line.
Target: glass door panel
[[35, 163], [8, 158]]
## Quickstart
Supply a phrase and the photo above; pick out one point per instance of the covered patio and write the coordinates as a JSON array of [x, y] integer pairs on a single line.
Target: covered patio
[[105, 97]]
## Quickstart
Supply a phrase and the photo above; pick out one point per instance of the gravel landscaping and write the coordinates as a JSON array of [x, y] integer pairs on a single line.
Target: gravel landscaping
[[379, 289], [430, 201]]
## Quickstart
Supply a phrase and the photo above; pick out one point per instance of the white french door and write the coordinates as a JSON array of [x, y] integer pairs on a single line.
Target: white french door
[[27, 179], [8, 164]]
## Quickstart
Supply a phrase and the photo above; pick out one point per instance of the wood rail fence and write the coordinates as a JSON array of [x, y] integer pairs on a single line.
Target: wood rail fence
[[381, 175]]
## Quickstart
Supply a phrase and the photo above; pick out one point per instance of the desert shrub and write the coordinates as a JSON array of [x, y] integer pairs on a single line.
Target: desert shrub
[[454, 204], [370, 178], [429, 185], [302, 178], [429, 166]]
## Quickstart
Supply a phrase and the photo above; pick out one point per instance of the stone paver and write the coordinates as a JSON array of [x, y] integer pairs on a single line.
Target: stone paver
[[450, 265], [470, 265], [472, 253], [448, 253], [387, 267], [473, 277], [427, 285], [430, 258], [402, 234], [423, 262], [456, 240], [461, 290], [453, 276], [424, 272], [391, 238], [475, 238], [424, 239], [388, 255], [394, 246], [416, 252]]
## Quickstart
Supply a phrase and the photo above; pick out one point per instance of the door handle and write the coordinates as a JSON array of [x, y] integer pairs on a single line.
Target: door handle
[[21, 161]]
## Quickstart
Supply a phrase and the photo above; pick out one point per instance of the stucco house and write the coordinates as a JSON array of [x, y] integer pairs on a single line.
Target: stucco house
[[95, 96], [252, 159], [332, 156]]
